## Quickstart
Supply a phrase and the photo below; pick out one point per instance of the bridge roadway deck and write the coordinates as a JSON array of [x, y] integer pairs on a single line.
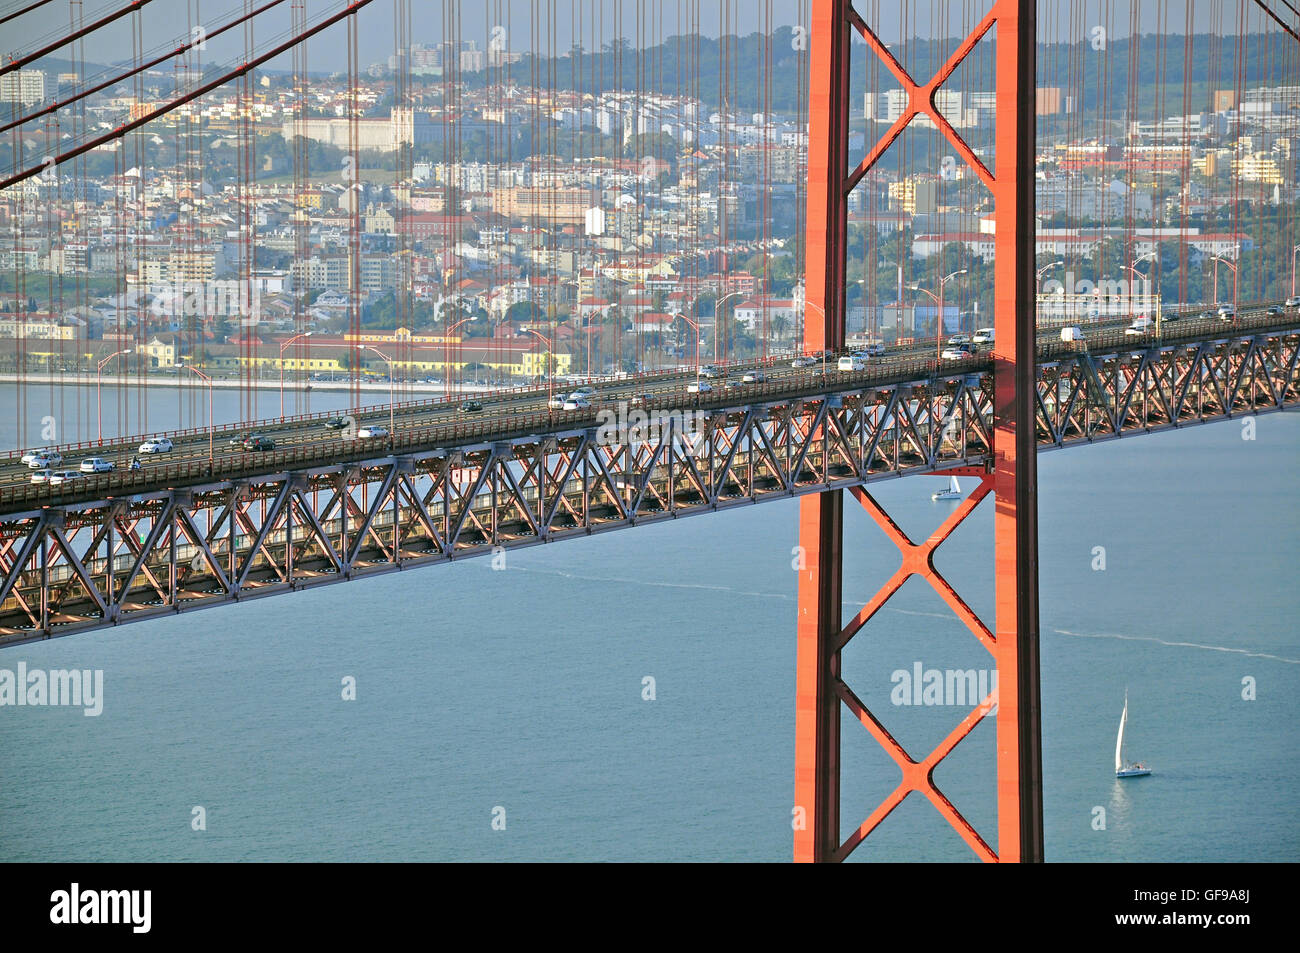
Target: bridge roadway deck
[[130, 546]]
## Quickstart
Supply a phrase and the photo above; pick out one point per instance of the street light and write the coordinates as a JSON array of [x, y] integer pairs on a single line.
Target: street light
[[1233, 265], [99, 407], [938, 321], [1038, 275], [391, 374], [296, 337], [1293, 253], [550, 380], [809, 304], [208, 380], [717, 318], [696, 326], [446, 363]]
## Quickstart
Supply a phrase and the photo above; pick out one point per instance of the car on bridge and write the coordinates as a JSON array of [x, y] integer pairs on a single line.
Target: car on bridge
[[804, 362], [336, 423], [471, 407], [556, 402], [959, 339], [96, 465], [960, 352], [699, 387], [1275, 309], [983, 336], [754, 377], [1293, 301], [710, 371], [41, 476], [1227, 312], [63, 476], [157, 445], [258, 444], [372, 432], [1142, 324], [852, 362], [42, 459], [1072, 334], [576, 402]]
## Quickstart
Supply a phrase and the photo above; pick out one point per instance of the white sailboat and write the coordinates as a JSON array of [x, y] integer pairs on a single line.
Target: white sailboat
[[1123, 769], [952, 493]]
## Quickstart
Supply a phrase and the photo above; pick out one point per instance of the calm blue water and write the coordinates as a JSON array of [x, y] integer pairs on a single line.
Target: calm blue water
[[522, 689]]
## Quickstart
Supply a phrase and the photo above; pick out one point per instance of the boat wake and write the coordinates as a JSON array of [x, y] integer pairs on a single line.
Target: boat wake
[[1180, 645]]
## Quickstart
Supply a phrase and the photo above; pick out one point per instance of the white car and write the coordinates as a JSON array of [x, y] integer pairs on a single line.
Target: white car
[[63, 476], [754, 377], [32, 455], [852, 362], [804, 362], [556, 402], [157, 445], [42, 459], [1293, 301], [576, 402], [41, 476], [983, 336], [372, 432], [959, 339], [96, 465], [1072, 333], [699, 387], [1141, 325], [878, 350]]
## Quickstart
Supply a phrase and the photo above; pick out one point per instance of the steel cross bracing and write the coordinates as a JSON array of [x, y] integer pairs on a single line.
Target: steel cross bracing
[[183, 548], [1010, 431]]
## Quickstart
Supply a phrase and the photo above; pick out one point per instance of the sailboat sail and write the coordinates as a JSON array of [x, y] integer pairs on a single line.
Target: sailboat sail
[[1119, 741], [953, 485]]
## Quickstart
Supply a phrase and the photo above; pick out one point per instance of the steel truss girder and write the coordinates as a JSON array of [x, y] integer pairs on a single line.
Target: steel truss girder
[[299, 529]]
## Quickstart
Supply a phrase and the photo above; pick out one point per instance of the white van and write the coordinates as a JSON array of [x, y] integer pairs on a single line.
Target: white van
[[1072, 334], [983, 336], [852, 362]]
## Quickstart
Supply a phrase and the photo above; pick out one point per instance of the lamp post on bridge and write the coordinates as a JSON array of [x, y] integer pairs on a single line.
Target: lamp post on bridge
[[99, 406], [208, 381], [1233, 265], [391, 374], [717, 318], [546, 367], [938, 321], [297, 337], [696, 326], [1293, 254], [446, 364], [809, 304]]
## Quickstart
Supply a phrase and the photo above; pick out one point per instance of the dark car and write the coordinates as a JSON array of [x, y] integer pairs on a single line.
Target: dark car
[[239, 439], [255, 444], [471, 407], [336, 423], [1276, 309]]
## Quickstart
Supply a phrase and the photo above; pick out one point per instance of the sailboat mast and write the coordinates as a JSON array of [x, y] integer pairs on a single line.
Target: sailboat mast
[[1119, 740]]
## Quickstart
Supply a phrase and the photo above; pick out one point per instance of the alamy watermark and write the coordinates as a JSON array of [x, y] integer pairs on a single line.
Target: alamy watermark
[[72, 688], [622, 427], [933, 686]]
